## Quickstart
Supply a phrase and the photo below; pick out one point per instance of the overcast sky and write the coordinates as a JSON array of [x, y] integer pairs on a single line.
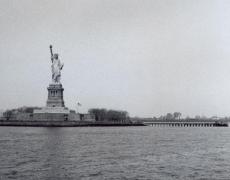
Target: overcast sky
[[148, 57]]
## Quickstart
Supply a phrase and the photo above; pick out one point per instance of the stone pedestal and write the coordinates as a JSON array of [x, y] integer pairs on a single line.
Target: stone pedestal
[[55, 96], [55, 109]]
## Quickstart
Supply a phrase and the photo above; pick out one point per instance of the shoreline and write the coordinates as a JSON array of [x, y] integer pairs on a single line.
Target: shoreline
[[65, 124]]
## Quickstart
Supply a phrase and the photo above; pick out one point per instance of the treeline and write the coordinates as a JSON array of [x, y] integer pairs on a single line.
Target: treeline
[[9, 113], [169, 116], [109, 115], [177, 116]]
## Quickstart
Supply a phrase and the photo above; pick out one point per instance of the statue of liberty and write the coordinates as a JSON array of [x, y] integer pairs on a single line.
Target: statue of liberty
[[56, 67]]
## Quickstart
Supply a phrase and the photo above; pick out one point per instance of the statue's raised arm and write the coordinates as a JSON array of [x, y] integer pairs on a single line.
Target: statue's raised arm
[[51, 52]]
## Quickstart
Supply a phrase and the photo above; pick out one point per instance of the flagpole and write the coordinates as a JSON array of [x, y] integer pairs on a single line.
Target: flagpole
[[78, 105]]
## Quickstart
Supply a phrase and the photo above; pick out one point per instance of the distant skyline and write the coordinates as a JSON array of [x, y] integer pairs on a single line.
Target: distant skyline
[[146, 57]]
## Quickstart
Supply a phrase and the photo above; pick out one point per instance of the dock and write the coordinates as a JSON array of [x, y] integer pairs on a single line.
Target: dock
[[188, 123]]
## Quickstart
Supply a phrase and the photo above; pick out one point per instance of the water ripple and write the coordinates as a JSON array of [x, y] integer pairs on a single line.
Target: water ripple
[[114, 153]]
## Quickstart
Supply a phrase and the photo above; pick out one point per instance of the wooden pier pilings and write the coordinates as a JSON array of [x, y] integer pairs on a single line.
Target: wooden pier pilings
[[188, 124]]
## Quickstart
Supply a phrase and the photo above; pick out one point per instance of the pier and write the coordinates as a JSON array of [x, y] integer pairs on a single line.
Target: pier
[[187, 123]]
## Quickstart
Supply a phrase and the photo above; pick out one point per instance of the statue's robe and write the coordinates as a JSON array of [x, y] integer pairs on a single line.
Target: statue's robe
[[56, 70]]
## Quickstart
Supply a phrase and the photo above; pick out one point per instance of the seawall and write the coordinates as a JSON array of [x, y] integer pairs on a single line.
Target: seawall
[[65, 123]]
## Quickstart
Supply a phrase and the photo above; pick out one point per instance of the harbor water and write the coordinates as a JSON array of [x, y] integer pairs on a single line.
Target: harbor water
[[115, 153]]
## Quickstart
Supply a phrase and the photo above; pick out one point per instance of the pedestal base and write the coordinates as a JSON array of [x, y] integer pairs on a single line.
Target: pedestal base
[[56, 110], [51, 114]]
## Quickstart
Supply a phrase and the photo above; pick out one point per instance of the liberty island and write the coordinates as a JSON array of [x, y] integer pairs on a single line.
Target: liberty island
[[55, 113]]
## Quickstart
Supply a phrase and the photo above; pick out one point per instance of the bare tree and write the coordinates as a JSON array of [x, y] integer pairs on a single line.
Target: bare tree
[[177, 115]]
